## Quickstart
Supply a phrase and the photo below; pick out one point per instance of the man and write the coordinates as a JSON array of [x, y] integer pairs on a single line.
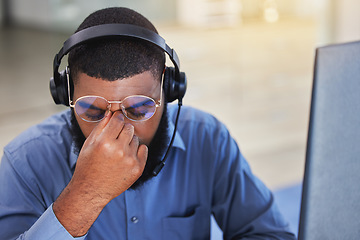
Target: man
[[87, 173]]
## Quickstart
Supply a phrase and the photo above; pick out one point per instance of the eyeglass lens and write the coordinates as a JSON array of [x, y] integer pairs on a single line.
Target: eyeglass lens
[[136, 108]]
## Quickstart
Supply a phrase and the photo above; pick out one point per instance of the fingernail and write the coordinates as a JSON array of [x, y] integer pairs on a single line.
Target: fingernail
[[108, 113]]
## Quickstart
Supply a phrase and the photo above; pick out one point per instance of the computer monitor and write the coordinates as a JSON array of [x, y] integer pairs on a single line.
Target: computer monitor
[[330, 207]]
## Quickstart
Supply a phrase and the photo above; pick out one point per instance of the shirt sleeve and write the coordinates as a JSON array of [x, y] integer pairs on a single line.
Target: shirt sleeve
[[243, 206], [22, 215], [48, 227]]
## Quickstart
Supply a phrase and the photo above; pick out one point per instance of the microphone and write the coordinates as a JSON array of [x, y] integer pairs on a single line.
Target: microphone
[[161, 164]]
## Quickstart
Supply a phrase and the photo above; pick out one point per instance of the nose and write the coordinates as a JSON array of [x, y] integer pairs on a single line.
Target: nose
[[115, 107], [119, 114]]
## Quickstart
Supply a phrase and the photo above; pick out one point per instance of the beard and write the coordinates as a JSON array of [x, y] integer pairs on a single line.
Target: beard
[[156, 148]]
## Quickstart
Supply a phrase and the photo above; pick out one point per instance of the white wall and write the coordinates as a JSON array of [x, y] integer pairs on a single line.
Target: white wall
[[66, 15], [338, 20], [347, 20], [208, 13], [31, 13]]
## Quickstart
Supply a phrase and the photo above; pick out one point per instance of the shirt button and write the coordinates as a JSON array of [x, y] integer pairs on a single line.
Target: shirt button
[[134, 219]]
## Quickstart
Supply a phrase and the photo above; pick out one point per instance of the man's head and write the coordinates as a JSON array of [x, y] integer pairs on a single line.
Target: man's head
[[115, 68], [114, 58]]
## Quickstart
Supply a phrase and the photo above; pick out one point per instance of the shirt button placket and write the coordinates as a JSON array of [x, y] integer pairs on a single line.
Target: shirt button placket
[[134, 211]]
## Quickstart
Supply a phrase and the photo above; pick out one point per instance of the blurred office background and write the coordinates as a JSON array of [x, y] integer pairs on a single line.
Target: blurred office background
[[248, 62]]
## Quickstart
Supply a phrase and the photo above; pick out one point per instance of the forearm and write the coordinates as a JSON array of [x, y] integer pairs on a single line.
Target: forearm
[[77, 208]]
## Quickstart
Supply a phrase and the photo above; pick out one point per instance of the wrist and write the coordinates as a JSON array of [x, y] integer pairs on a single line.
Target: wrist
[[77, 208]]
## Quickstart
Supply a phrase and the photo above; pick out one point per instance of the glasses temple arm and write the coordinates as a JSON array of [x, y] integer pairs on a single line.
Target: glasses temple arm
[[161, 91], [71, 104]]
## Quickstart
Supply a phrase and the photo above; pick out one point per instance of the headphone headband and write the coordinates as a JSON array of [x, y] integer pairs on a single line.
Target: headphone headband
[[115, 30]]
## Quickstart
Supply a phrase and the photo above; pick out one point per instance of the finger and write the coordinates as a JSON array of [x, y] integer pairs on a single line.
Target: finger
[[101, 125], [114, 126], [134, 144], [142, 154], [127, 134]]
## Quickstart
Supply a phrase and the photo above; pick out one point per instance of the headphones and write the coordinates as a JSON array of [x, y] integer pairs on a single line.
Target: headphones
[[174, 84], [174, 81]]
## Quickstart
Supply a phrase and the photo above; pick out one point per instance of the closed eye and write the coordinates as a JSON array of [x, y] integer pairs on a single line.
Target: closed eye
[[89, 106]]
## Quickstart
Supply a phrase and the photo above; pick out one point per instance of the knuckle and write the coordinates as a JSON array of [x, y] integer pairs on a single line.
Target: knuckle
[[105, 146], [137, 170], [129, 162], [120, 153]]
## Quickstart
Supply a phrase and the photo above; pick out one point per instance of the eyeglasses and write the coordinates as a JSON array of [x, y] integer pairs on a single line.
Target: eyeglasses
[[135, 108]]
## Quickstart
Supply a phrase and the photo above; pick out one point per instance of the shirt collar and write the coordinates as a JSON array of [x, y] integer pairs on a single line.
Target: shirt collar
[[178, 141]]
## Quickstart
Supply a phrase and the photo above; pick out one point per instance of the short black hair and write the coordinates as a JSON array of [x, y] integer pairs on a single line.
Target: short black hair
[[112, 59]]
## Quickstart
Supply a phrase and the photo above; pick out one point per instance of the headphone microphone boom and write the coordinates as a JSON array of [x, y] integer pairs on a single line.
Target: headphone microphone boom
[[174, 84]]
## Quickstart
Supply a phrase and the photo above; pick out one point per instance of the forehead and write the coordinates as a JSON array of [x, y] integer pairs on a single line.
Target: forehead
[[141, 84]]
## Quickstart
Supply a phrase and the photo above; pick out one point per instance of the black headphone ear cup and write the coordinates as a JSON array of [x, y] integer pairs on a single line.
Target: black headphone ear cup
[[53, 91], [59, 88], [182, 86], [174, 89], [167, 85]]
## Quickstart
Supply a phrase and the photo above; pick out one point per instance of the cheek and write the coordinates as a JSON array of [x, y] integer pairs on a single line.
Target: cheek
[[146, 130], [85, 127]]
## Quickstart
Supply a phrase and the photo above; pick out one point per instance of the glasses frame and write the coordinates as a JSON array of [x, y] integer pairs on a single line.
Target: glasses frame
[[157, 104]]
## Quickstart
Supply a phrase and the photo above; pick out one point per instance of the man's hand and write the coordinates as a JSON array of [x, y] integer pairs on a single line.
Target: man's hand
[[110, 161]]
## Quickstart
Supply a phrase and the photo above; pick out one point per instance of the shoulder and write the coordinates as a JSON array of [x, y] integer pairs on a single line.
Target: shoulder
[[38, 159], [198, 128], [192, 119], [193, 115], [53, 131]]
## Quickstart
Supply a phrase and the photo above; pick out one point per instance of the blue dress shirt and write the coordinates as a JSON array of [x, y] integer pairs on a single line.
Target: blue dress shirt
[[205, 174]]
